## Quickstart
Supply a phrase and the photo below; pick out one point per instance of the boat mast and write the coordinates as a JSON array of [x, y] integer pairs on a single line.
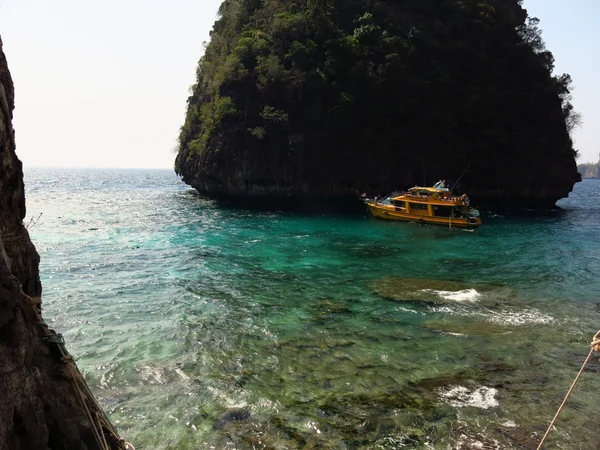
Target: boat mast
[[456, 182]]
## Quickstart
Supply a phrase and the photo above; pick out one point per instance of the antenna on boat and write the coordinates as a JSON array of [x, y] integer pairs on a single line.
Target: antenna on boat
[[456, 182]]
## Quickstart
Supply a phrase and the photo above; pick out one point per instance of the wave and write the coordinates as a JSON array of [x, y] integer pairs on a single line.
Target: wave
[[459, 396], [510, 317], [465, 295]]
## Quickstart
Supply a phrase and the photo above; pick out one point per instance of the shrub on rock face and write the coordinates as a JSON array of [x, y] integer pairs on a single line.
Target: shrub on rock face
[[330, 97]]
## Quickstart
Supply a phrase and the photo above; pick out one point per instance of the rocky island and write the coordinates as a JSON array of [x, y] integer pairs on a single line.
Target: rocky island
[[316, 100]]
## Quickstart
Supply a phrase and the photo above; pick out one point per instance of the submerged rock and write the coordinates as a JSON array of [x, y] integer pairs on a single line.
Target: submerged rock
[[467, 328], [235, 414], [331, 307], [424, 290]]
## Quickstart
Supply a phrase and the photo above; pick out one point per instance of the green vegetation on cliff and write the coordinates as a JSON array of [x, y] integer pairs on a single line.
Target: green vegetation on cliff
[[330, 97]]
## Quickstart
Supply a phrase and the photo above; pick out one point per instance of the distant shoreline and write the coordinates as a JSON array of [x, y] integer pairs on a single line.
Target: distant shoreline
[[26, 167]]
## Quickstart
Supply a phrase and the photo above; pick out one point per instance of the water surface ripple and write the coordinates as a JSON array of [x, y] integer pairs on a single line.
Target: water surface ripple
[[199, 326]]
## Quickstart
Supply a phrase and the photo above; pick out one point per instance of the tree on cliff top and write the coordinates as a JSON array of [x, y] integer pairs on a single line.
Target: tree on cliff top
[[330, 96]]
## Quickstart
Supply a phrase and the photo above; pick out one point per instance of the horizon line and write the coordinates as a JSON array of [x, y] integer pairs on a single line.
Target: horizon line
[[36, 166]]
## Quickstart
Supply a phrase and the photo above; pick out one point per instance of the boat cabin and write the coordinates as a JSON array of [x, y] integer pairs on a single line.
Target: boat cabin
[[431, 202]]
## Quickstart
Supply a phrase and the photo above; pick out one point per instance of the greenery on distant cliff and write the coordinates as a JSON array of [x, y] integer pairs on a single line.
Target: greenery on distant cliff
[[589, 170], [333, 96]]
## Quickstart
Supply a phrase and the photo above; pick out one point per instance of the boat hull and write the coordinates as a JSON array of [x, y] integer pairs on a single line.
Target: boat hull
[[388, 212]]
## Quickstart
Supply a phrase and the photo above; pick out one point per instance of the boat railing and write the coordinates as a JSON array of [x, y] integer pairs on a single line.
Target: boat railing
[[457, 200]]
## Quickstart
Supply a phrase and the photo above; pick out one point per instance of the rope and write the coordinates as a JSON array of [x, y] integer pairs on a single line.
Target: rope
[[57, 338], [98, 423], [595, 348]]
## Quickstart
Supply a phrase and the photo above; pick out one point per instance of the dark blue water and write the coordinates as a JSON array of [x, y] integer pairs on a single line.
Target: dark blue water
[[330, 331]]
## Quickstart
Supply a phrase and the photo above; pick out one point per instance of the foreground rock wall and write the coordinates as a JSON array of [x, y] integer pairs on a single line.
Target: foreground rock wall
[[39, 407]]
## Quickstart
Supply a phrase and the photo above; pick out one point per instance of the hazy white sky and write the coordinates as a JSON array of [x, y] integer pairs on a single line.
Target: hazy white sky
[[104, 83]]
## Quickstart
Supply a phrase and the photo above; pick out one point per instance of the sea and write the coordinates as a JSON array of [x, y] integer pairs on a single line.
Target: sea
[[199, 326]]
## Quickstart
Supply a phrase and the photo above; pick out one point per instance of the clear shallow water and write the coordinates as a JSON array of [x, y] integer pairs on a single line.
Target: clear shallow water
[[332, 332]]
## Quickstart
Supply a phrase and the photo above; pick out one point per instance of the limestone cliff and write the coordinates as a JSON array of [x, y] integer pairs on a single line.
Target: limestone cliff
[[323, 99], [39, 407]]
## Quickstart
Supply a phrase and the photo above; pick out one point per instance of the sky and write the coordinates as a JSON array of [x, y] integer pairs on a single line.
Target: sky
[[105, 83]]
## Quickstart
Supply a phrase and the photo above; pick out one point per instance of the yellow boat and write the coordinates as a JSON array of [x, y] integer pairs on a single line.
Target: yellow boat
[[435, 205]]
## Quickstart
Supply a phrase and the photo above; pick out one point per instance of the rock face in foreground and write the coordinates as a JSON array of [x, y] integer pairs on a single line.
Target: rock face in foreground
[[318, 99], [38, 407]]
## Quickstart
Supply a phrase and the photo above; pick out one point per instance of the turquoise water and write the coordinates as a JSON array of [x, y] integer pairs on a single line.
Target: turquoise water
[[325, 331]]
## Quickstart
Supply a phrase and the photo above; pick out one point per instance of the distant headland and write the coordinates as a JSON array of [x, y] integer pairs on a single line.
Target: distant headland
[[589, 170]]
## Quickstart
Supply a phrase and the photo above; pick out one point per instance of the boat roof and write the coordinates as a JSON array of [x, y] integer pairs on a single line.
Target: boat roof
[[431, 193], [428, 189]]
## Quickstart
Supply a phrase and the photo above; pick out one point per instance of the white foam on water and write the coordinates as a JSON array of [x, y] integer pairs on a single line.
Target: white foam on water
[[313, 426], [514, 318], [182, 374], [465, 295], [400, 441], [509, 424], [467, 443], [153, 375], [459, 396], [408, 310], [521, 317], [267, 404], [226, 397]]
